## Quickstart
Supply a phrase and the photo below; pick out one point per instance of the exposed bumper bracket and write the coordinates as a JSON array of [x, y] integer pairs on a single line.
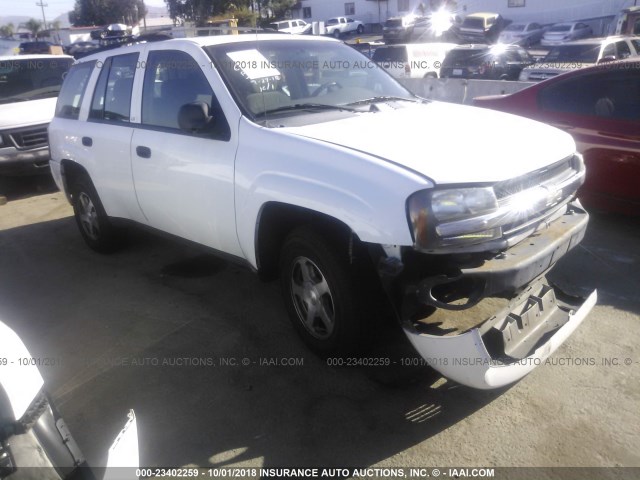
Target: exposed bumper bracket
[[508, 346]]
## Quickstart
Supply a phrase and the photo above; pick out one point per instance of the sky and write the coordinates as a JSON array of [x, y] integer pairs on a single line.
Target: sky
[[28, 8]]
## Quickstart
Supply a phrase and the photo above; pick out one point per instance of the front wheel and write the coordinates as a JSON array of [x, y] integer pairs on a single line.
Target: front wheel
[[320, 292], [93, 222]]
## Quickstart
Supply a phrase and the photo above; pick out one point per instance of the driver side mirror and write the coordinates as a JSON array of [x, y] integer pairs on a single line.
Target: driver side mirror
[[194, 117]]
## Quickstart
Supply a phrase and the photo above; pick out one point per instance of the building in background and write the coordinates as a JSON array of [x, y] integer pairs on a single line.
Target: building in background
[[600, 14]]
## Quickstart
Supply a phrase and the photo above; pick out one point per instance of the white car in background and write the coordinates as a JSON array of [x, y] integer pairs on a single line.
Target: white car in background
[[565, 32], [337, 26], [580, 54], [295, 27], [412, 60], [524, 34], [29, 85]]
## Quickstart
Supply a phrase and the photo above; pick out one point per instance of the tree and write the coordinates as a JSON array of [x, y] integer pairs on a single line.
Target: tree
[[34, 26], [278, 8], [7, 30], [198, 11], [103, 12]]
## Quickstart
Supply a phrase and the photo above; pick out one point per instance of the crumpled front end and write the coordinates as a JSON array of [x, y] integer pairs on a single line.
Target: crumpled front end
[[508, 346], [477, 306]]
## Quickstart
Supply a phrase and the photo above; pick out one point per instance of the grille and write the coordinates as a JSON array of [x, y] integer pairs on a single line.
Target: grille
[[553, 174], [30, 138], [550, 178]]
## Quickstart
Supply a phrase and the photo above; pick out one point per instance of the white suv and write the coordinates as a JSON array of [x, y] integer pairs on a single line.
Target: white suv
[[299, 158]]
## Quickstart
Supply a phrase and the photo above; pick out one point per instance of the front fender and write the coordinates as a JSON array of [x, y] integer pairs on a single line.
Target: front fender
[[366, 193]]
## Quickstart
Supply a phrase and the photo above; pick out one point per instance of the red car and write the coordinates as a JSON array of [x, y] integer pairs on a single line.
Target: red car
[[600, 107]]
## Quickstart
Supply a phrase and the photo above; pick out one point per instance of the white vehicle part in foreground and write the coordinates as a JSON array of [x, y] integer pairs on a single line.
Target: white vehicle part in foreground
[[124, 452], [22, 383], [464, 358]]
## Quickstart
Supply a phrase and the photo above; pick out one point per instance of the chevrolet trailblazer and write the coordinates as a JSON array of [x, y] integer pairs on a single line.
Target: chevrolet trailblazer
[[301, 159]]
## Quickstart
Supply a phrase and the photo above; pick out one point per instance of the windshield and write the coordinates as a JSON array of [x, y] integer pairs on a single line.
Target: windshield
[[390, 54], [467, 58], [560, 28], [396, 22], [272, 78], [574, 53], [473, 23], [31, 79]]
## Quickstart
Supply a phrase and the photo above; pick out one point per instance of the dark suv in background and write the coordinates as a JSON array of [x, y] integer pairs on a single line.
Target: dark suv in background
[[31, 48], [481, 28], [398, 29], [496, 62]]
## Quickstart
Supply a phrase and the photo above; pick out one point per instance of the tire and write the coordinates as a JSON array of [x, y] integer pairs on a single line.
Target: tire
[[336, 33], [360, 29], [321, 293], [92, 220]]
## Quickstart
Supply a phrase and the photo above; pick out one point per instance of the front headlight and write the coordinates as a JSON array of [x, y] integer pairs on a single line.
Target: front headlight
[[462, 202], [433, 213]]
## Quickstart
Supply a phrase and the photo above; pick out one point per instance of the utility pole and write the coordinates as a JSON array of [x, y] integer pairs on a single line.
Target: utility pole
[[42, 5]]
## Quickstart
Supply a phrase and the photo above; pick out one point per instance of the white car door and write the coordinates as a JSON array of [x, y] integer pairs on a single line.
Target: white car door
[[106, 135], [184, 180]]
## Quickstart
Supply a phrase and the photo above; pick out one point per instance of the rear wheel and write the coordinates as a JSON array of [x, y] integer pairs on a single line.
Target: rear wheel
[[93, 222], [360, 29], [321, 293], [336, 33]]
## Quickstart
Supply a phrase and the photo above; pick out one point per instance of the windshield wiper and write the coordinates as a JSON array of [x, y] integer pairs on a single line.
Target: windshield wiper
[[309, 106], [384, 98]]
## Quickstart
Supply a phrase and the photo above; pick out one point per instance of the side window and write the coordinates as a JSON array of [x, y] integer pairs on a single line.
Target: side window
[[636, 45], [623, 50], [615, 94], [112, 96], [609, 50], [173, 79], [73, 89]]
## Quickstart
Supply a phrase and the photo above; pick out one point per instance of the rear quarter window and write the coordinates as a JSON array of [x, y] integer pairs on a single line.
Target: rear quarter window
[[73, 89]]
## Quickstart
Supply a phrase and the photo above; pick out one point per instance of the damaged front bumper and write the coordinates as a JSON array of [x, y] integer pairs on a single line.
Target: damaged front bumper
[[538, 319]]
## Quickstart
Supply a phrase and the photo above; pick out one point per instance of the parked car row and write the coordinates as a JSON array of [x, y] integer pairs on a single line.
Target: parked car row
[[500, 61], [448, 60], [482, 27]]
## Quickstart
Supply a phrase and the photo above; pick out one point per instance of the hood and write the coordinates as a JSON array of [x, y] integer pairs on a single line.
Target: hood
[[449, 143], [25, 114]]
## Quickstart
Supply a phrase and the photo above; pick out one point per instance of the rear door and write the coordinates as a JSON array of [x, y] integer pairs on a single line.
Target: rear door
[[106, 135], [184, 180]]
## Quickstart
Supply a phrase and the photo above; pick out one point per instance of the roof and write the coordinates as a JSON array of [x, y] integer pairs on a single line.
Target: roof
[[43, 56], [215, 40], [483, 15]]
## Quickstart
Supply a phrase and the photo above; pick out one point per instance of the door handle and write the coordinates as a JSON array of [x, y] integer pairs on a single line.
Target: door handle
[[87, 141], [144, 152]]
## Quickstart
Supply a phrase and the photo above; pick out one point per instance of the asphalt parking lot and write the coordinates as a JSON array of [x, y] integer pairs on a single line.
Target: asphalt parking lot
[[204, 353]]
